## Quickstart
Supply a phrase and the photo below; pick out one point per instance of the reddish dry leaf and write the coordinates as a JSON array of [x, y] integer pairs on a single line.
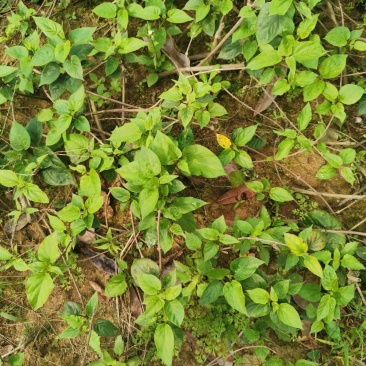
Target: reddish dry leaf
[[98, 288], [178, 59], [236, 194]]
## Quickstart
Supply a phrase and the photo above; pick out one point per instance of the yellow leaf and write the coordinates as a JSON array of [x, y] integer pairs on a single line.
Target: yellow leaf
[[223, 141]]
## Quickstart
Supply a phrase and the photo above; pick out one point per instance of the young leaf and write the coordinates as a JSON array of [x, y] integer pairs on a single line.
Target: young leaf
[[350, 94], [304, 117], [289, 316], [332, 66], [351, 262], [48, 249], [313, 265], [50, 28], [38, 288], [164, 342], [165, 149], [116, 285], [296, 245], [233, 293], [8, 178], [245, 267], [129, 132], [279, 194], [264, 59], [106, 10], [92, 305], [149, 284], [201, 161], [19, 137], [90, 185], [338, 36], [174, 311], [259, 296], [73, 68], [178, 16]]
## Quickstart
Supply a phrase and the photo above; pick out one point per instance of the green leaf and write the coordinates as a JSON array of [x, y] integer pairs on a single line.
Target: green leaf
[[17, 52], [7, 70], [50, 28], [16, 359], [332, 66], [94, 343], [244, 135], [304, 117], [106, 10], [350, 94], [119, 346], [344, 295], [62, 50], [8, 178], [322, 219], [351, 262], [289, 316], [131, 44], [165, 149], [307, 51], [306, 26], [50, 73], [149, 283], [325, 172], [164, 342], [264, 59], [245, 267], [259, 296], [178, 16], [296, 245], [90, 185], [313, 265], [174, 311], [105, 328], [48, 249], [81, 35], [233, 293], [116, 285], [201, 161], [348, 175], [338, 36], [129, 132], [38, 287], [284, 148], [359, 46], [19, 137], [92, 305], [5, 254], [147, 13], [329, 280], [279, 7], [34, 193], [120, 194], [211, 293], [312, 91], [148, 198], [73, 68], [324, 307], [279, 194]]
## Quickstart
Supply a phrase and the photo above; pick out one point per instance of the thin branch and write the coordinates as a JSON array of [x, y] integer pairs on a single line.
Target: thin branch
[[332, 195], [205, 69], [159, 247]]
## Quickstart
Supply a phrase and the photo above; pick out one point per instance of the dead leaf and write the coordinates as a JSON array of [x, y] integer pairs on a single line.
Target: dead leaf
[[265, 100], [135, 303], [178, 59], [236, 194], [98, 288]]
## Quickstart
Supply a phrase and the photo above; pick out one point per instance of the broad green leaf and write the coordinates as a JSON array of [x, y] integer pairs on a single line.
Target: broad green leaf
[[201, 161], [325, 172], [34, 193], [50, 73], [174, 311], [38, 287], [48, 249], [322, 219], [165, 149], [264, 59], [284, 148], [7, 70], [360, 46], [8, 178], [73, 67], [324, 306], [120, 194], [178, 16], [279, 7], [164, 342], [348, 175], [105, 328], [130, 44], [332, 66], [147, 13], [148, 283], [50, 28], [148, 198], [19, 137], [244, 135], [306, 26], [316, 240], [289, 316], [313, 265], [304, 117], [90, 184], [106, 10], [338, 36], [92, 305], [119, 346], [233, 293], [16, 359], [245, 267], [94, 343], [296, 245], [281, 87], [129, 132], [351, 262], [17, 52], [329, 280], [259, 296], [5, 254], [211, 293], [81, 35], [344, 295], [62, 50], [279, 194], [350, 94]]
